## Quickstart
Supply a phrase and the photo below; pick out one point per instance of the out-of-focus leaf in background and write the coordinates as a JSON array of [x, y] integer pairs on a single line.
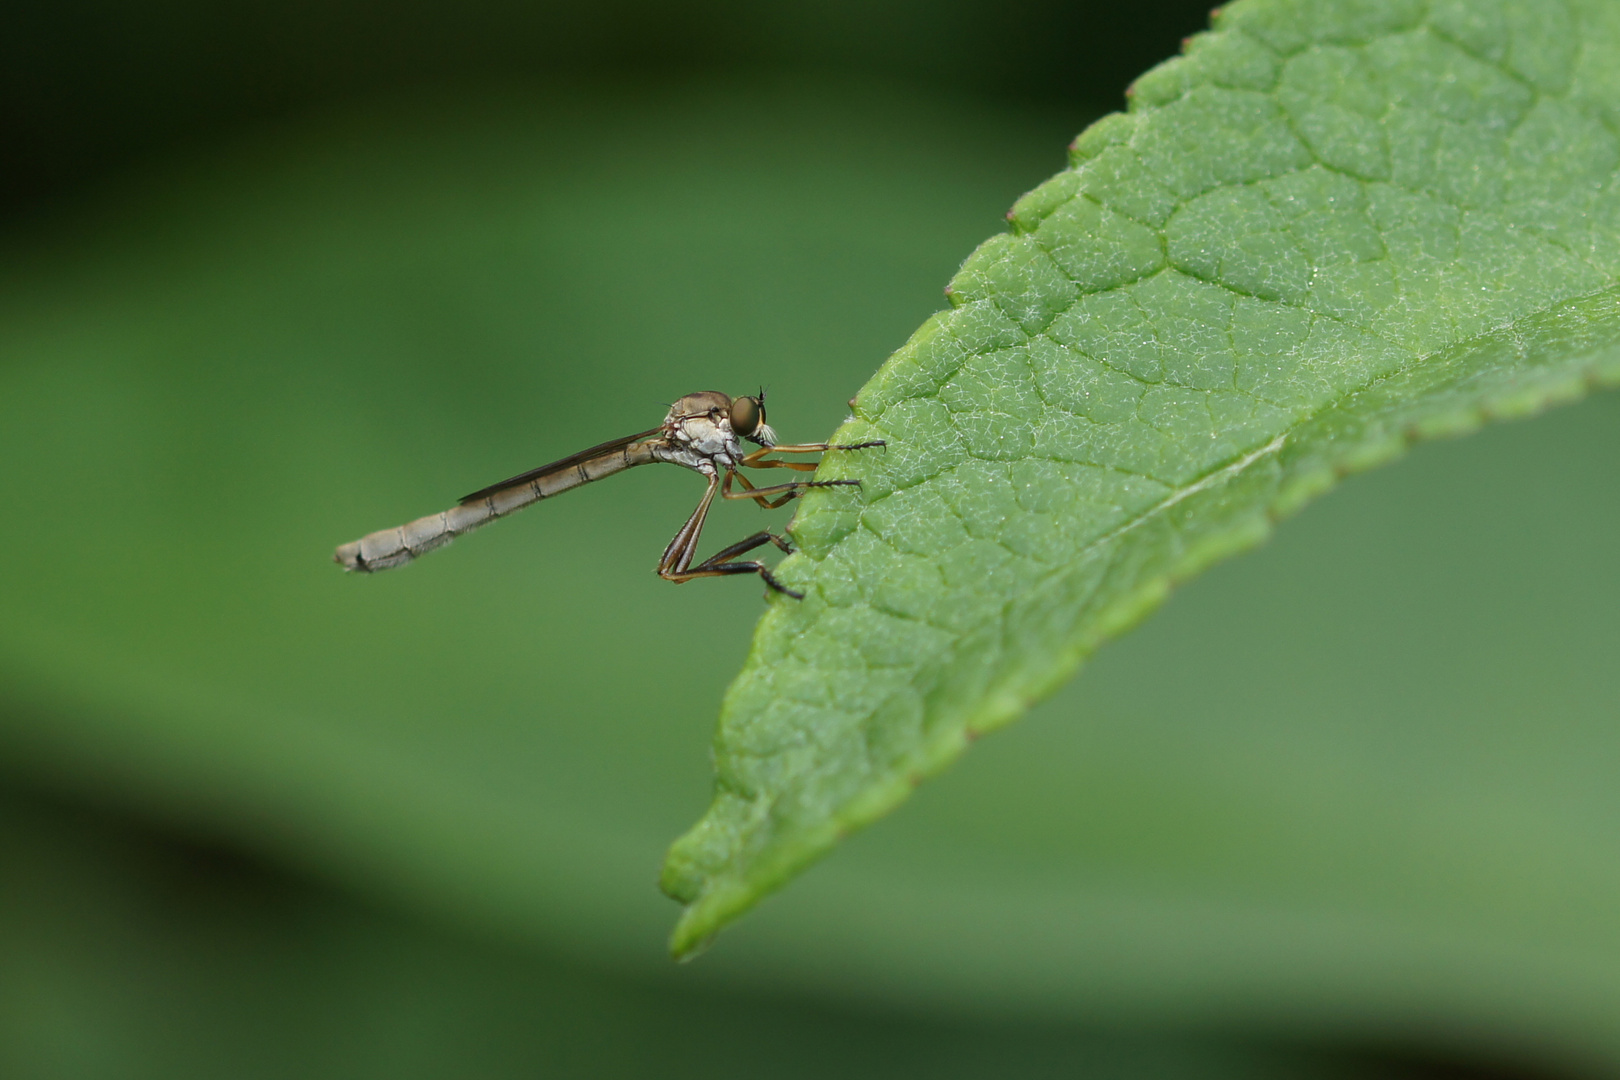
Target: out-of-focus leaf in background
[[301, 345], [1327, 231], [265, 820], [129, 954]]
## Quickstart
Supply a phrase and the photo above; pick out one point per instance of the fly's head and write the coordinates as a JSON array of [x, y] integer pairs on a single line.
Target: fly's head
[[747, 415]]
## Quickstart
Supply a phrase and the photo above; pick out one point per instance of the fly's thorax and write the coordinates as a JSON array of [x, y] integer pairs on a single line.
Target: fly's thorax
[[700, 424], [679, 453]]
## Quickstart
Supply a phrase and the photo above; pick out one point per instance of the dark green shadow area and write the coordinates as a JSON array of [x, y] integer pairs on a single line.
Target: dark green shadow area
[[89, 86], [135, 951]]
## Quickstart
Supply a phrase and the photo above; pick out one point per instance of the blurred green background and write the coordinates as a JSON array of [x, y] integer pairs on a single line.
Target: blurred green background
[[277, 276]]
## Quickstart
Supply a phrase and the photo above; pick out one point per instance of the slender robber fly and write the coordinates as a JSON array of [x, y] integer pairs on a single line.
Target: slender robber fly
[[702, 432]]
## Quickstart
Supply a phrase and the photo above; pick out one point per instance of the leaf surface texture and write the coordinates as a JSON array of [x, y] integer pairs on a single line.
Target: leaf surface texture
[[1325, 231]]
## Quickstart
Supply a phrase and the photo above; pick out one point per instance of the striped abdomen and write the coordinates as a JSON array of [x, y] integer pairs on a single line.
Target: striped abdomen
[[389, 548]]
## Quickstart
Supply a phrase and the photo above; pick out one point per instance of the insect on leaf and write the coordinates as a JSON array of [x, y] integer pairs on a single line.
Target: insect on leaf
[[1329, 229]]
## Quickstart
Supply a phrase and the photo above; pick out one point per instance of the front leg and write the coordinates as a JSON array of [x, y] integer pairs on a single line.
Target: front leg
[[756, 460]]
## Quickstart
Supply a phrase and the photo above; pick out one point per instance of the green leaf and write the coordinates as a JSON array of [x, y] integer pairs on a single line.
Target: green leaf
[[1326, 231]]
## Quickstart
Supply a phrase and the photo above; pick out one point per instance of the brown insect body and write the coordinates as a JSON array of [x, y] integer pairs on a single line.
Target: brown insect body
[[703, 432]]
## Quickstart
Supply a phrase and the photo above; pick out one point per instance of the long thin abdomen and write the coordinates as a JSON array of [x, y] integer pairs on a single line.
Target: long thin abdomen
[[388, 548]]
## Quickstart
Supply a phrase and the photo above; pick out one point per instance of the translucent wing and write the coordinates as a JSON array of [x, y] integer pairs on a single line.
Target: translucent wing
[[569, 462]]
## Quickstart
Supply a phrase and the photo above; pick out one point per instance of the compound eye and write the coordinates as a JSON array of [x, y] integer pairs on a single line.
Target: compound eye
[[746, 414]]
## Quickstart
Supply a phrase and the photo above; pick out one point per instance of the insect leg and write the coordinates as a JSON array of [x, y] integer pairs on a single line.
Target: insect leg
[[720, 565], [790, 490], [678, 555], [787, 491], [676, 565], [756, 460]]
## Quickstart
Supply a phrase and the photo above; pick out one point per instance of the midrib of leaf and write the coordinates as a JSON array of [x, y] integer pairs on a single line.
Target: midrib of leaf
[[895, 661]]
